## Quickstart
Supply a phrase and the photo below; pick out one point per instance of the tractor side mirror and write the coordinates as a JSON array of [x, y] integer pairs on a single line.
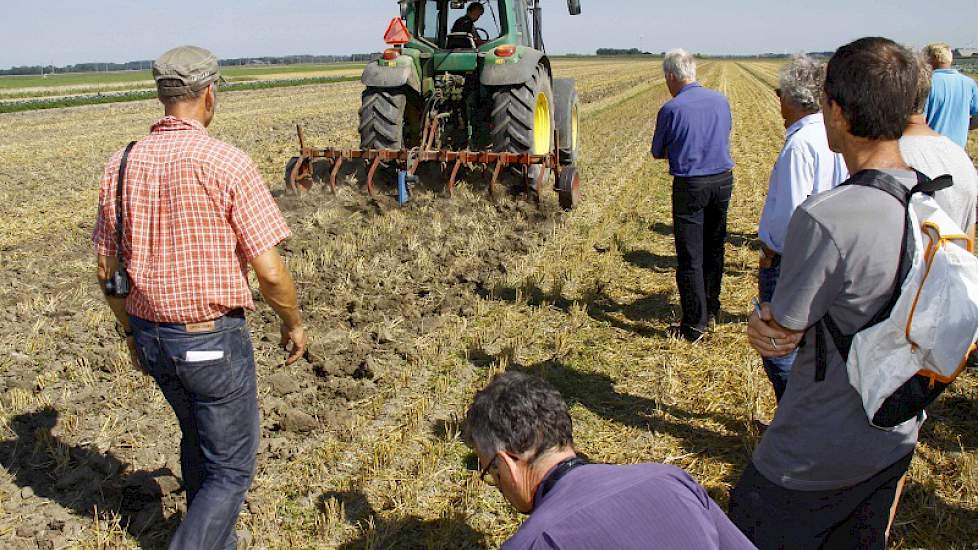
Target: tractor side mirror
[[574, 7], [404, 8]]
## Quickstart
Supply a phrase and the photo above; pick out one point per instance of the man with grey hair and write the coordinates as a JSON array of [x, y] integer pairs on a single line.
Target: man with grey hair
[[936, 155], [521, 431], [805, 167], [953, 97], [693, 131], [181, 216]]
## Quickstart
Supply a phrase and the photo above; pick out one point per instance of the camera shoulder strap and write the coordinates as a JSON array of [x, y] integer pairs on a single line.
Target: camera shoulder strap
[[118, 202]]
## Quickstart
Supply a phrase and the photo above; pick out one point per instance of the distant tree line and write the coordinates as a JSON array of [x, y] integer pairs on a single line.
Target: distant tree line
[[616, 51], [146, 64]]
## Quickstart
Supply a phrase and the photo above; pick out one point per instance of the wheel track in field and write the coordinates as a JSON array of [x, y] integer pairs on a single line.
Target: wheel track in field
[[608, 161]]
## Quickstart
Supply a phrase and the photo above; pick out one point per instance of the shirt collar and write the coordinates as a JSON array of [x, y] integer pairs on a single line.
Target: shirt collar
[[688, 86], [806, 120], [171, 123], [948, 70]]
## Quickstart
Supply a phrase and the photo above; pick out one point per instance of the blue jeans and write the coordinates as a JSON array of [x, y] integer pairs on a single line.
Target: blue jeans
[[779, 368], [216, 403]]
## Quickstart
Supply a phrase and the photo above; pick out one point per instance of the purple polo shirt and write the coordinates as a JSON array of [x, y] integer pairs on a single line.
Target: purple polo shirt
[[693, 130], [641, 506]]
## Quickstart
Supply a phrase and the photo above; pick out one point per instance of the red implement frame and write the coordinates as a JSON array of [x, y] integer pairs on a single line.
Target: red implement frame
[[301, 174]]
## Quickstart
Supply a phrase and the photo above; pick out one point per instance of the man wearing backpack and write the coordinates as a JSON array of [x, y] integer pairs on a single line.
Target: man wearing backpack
[[822, 476]]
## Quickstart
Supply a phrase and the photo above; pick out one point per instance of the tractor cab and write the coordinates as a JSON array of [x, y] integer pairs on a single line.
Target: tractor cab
[[462, 25]]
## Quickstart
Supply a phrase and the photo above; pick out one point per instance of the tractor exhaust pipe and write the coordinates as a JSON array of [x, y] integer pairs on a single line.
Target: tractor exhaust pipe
[[574, 7]]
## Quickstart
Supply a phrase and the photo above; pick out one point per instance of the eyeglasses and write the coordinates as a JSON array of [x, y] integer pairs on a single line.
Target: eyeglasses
[[485, 472]]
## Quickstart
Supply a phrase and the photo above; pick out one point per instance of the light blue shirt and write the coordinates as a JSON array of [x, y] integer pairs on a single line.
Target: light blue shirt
[[806, 166], [952, 102]]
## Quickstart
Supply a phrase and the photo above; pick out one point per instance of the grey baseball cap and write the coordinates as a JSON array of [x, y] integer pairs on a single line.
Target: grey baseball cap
[[185, 70]]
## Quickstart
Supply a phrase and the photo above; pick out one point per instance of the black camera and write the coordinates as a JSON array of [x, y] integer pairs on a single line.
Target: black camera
[[118, 284]]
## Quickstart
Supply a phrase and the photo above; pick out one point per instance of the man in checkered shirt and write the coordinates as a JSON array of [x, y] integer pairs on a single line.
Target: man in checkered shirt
[[196, 213]]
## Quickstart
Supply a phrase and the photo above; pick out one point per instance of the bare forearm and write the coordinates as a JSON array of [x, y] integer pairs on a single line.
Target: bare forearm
[[118, 307], [281, 295], [106, 265]]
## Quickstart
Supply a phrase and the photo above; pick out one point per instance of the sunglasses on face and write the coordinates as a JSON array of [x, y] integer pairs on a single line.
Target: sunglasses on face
[[484, 473]]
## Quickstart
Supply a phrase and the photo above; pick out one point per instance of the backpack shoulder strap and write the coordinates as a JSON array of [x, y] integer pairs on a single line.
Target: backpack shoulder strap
[[931, 186], [120, 183], [883, 182]]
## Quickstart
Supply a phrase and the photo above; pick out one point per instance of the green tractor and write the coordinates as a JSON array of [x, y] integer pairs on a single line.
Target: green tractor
[[473, 76]]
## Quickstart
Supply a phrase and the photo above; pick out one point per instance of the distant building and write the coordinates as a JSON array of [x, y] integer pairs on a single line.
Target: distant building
[[965, 53]]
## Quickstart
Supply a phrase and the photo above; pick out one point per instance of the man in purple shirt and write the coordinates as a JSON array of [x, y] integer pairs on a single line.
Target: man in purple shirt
[[520, 428], [693, 131]]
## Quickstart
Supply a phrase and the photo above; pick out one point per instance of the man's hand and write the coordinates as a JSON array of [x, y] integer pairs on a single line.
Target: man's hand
[[768, 337], [297, 337], [134, 356]]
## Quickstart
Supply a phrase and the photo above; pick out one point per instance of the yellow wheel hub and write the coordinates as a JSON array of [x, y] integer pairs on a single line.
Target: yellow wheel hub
[[574, 129], [542, 126]]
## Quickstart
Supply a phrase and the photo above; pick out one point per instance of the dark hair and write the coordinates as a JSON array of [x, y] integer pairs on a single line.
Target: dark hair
[[475, 6], [874, 80], [518, 413]]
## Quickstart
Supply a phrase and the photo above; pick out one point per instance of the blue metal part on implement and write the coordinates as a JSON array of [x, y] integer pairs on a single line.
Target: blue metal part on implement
[[403, 195]]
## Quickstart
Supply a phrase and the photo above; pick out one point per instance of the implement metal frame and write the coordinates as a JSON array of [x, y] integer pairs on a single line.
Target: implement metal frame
[[300, 177]]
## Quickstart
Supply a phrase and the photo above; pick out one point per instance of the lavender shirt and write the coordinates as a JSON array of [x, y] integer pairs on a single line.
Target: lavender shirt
[[640, 506], [693, 131]]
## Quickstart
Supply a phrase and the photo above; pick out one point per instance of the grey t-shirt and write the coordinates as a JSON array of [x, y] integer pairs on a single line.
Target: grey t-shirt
[[936, 156], [840, 257]]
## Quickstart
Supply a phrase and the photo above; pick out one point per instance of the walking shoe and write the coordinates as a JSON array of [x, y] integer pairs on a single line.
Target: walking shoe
[[686, 333]]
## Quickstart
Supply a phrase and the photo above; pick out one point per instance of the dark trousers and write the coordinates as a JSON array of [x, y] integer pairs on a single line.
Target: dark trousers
[[699, 219], [856, 517], [216, 403], [777, 368]]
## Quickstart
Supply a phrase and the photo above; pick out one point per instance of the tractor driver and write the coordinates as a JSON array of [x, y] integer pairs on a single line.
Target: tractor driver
[[466, 24]]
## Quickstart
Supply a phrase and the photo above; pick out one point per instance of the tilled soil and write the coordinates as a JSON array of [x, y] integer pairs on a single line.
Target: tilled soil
[[88, 446]]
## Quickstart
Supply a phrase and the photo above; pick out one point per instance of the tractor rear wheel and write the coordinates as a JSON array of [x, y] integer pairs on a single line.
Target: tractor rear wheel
[[382, 118], [566, 117], [523, 120]]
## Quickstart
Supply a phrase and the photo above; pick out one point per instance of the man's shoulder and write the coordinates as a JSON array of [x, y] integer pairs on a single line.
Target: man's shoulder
[[220, 155], [596, 487]]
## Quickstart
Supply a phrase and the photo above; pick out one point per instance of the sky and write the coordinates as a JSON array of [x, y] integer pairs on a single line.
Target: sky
[[60, 32]]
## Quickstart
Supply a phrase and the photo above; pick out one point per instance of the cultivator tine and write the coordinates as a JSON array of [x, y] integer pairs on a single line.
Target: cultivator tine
[[371, 174], [451, 180], [495, 178], [542, 177], [293, 175], [333, 173]]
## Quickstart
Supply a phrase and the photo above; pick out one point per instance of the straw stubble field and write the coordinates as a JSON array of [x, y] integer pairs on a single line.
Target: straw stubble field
[[411, 311]]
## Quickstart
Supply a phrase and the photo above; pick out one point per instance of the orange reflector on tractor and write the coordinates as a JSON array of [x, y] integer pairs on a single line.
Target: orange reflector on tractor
[[397, 33], [390, 54], [505, 51]]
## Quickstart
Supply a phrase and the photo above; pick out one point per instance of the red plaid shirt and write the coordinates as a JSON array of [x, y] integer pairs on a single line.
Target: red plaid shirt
[[196, 211]]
